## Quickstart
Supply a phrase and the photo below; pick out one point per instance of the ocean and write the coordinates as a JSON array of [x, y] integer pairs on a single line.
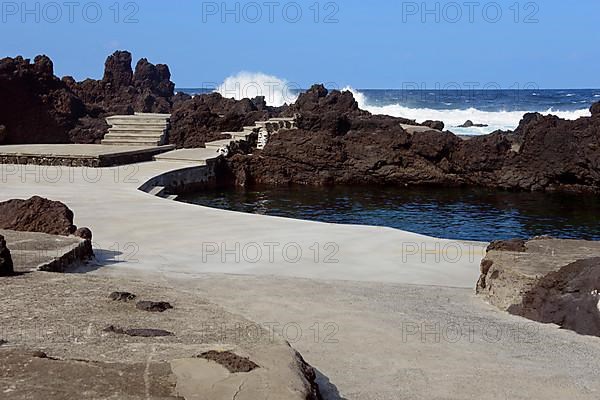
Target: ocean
[[499, 109]]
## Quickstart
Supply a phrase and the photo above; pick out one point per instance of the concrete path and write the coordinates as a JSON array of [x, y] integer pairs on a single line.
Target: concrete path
[[381, 341], [357, 286], [150, 233]]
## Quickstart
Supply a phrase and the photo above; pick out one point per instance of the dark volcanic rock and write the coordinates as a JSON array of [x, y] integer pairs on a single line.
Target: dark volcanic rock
[[37, 215], [153, 306], [337, 143], [38, 107], [84, 233], [595, 109], [569, 297], [234, 363], [438, 125], [35, 106], [122, 91], [470, 124], [122, 296], [203, 118], [6, 263], [548, 280], [117, 70]]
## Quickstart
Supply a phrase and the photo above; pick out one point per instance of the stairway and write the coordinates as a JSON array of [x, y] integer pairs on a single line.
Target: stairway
[[140, 129]]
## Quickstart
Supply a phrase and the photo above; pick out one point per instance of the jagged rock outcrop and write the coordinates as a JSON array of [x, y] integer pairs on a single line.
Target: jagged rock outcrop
[[123, 91], [337, 143], [38, 107], [35, 106], [37, 215]]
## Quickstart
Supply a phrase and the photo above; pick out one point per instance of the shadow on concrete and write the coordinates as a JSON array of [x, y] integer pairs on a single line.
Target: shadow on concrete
[[102, 258], [328, 390]]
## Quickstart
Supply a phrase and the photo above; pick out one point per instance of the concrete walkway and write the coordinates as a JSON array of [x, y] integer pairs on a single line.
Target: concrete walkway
[[159, 235], [359, 281]]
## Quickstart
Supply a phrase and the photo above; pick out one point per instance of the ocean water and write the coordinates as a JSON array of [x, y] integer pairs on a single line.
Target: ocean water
[[499, 109], [467, 214], [470, 214]]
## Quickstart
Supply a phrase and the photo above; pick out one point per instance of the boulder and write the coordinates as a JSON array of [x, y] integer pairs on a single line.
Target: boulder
[[84, 233], [37, 215], [470, 124], [569, 297], [6, 263], [437, 125], [122, 296], [545, 280], [595, 109]]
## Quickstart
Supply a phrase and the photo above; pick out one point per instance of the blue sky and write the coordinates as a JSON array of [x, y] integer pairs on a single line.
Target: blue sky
[[384, 44]]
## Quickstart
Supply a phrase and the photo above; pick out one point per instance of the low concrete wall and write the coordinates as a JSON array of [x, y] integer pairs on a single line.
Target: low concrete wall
[[91, 161], [184, 180]]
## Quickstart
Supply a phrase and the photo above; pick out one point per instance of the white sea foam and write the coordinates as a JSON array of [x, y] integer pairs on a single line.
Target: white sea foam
[[276, 91], [505, 120]]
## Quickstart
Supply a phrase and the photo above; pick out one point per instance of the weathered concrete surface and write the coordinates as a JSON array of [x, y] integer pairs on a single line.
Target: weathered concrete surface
[[32, 251], [64, 316], [23, 376], [383, 341], [365, 293]]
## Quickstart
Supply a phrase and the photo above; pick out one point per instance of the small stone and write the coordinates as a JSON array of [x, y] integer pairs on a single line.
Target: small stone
[[39, 354], [153, 306], [122, 296]]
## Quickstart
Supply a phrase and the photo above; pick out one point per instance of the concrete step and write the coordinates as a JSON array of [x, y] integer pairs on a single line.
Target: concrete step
[[251, 128], [238, 135], [152, 115], [149, 138], [134, 130], [290, 119], [130, 142], [157, 191], [140, 118], [140, 124], [217, 144]]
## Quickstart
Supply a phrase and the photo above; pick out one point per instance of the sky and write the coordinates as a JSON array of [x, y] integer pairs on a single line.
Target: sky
[[367, 45]]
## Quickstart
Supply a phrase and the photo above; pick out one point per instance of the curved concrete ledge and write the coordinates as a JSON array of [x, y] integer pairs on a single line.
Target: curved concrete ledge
[[148, 233]]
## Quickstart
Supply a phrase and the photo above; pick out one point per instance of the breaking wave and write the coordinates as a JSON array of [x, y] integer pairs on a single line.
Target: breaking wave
[[276, 91], [504, 120]]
